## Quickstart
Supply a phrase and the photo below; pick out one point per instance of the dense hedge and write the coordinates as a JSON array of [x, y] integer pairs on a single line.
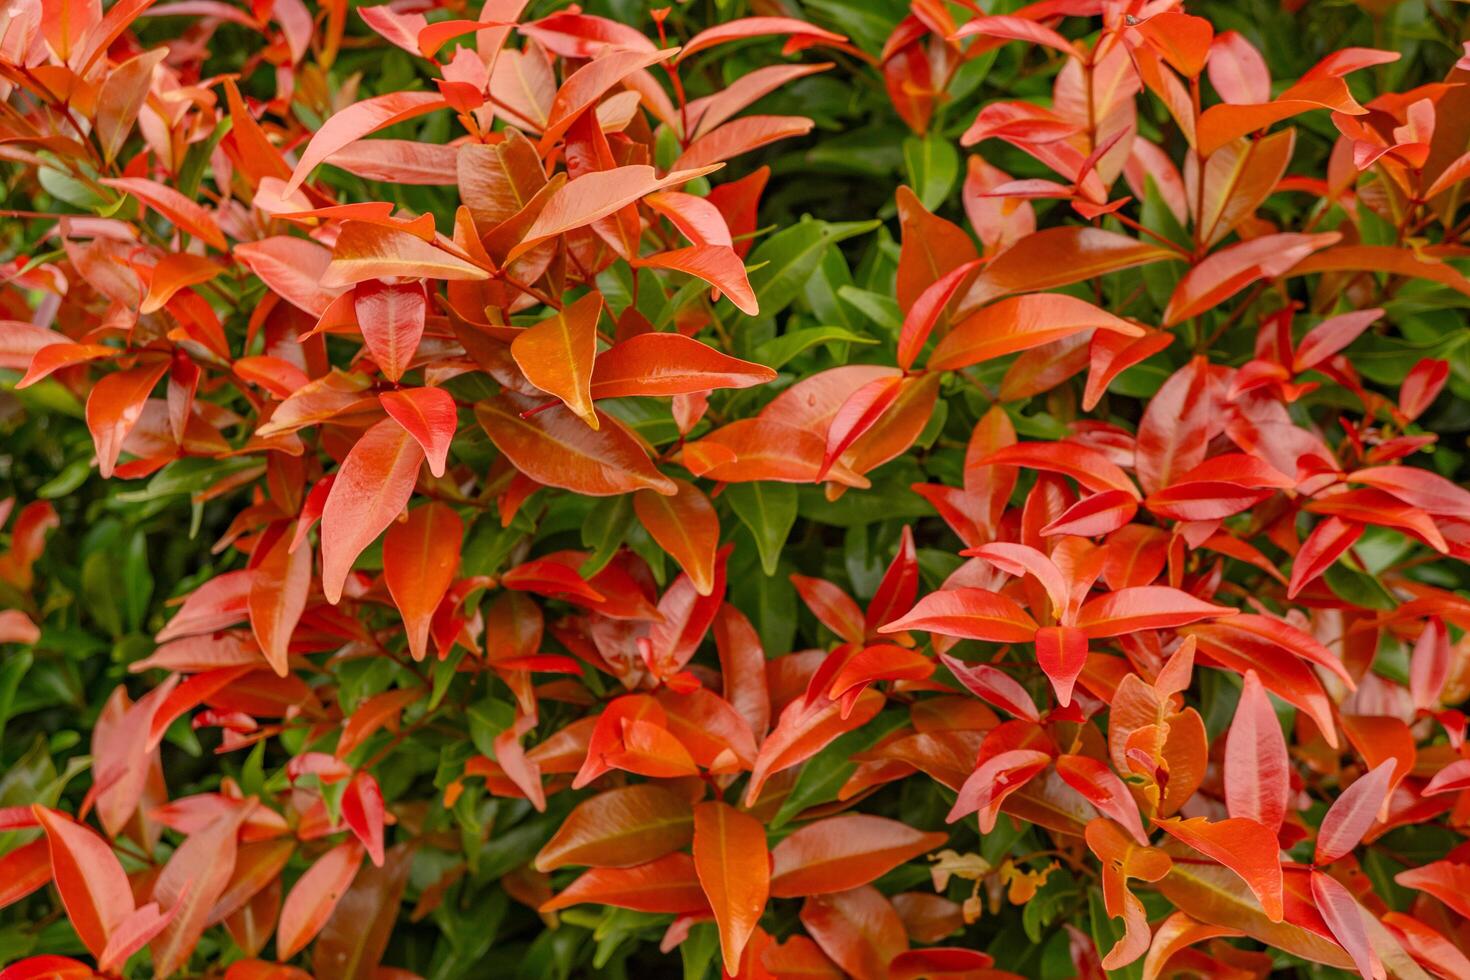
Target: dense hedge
[[813, 487]]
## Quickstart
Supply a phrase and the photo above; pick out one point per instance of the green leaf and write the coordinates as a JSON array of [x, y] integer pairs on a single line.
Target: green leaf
[[778, 352], [933, 164], [790, 256], [100, 592], [700, 951], [603, 531], [190, 475], [768, 600], [12, 669], [1359, 588], [877, 307], [768, 510], [1105, 933], [489, 717]]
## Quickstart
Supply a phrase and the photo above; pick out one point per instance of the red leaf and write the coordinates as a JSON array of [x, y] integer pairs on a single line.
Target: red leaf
[[1257, 770], [1062, 653], [996, 778], [804, 729], [371, 489], [1429, 665], [1344, 916], [315, 894], [356, 121], [1448, 881], [748, 27], [1235, 267], [1417, 488], [833, 608], [1088, 466], [24, 870], [972, 614], [1105, 790], [743, 668], [391, 317], [92, 884], [427, 414], [1328, 540], [1175, 429], [994, 686], [1144, 607], [1331, 336], [1422, 386], [1352, 813], [943, 963], [362, 811]]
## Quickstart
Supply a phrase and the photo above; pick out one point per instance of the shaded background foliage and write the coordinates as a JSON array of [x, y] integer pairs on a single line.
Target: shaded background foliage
[[121, 550]]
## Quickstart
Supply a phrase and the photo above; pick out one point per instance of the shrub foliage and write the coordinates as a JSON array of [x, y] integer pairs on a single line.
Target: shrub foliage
[[811, 490]]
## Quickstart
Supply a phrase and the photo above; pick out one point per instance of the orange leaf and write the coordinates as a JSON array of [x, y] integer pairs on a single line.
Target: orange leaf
[[1020, 323], [556, 355], [661, 364], [734, 871], [186, 215], [740, 136], [843, 852], [173, 273], [717, 265], [372, 251], [278, 589], [553, 447], [668, 884], [686, 526], [596, 195], [1243, 846], [858, 929], [191, 883], [622, 827], [115, 406], [293, 268], [420, 559]]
